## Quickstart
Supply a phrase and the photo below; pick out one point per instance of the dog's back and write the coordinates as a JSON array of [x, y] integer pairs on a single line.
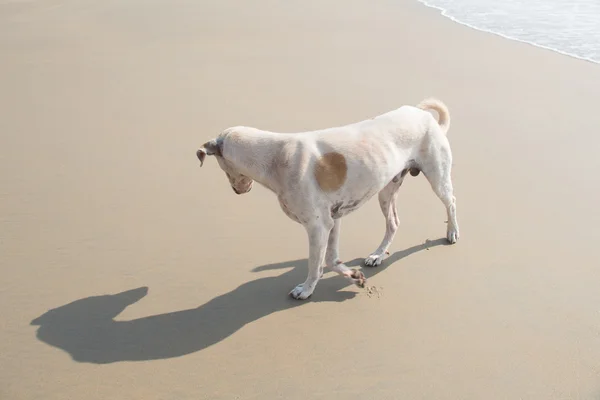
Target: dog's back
[[391, 139], [403, 128], [351, 163]]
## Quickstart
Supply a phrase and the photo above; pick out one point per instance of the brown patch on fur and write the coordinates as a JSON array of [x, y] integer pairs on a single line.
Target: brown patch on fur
[[331, 171]]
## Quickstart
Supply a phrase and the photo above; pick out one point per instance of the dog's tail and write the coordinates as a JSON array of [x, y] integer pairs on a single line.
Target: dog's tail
[[441, 109]]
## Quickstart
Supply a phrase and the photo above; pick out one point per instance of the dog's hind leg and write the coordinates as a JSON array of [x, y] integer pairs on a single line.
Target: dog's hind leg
[[318, 235], [387, 202], [332, 259], [439, 176]]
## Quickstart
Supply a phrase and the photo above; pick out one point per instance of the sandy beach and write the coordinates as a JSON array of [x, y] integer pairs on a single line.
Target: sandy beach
[[129, 272]]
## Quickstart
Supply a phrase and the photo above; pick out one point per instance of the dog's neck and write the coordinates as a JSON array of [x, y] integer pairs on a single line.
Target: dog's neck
[[253, 153]]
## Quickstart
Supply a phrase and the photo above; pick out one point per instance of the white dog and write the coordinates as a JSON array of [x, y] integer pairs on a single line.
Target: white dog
[[321, 176]]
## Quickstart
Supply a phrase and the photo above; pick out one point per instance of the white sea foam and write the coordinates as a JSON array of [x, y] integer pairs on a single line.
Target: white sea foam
[[570, 27]]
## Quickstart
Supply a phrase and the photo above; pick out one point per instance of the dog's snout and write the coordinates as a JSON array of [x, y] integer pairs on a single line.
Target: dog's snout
[[237, 191]]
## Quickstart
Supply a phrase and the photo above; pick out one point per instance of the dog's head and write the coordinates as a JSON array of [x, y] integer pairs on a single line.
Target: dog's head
[[239, 183]]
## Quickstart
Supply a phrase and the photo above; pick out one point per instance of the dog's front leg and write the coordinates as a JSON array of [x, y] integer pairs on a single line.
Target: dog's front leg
[[332, 259], [318, 234]]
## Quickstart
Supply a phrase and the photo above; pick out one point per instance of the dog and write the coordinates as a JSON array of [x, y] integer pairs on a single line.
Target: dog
[[323, 175]]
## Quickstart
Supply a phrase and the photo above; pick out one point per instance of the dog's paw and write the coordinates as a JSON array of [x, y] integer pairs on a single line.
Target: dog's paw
[[452, 236], [374, 260], [302, 292], [358, 278]]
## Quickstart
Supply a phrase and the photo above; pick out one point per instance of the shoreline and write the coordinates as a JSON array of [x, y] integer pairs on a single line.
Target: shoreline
[[444, 13]]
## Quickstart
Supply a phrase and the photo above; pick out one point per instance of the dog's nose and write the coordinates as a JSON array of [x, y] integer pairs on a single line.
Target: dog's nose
[[235, 190]]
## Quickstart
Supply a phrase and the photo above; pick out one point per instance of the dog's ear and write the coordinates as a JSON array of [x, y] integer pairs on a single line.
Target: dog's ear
[[210, 148]]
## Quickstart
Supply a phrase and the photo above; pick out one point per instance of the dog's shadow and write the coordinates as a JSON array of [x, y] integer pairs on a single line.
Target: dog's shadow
[[87, 330]]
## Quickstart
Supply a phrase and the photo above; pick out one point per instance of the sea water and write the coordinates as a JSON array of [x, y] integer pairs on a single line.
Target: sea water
[[570, 27]]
